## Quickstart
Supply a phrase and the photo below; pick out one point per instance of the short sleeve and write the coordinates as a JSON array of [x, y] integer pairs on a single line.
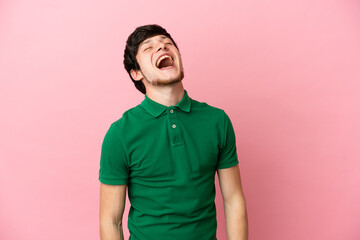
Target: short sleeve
[[114, 168], [227, 154]]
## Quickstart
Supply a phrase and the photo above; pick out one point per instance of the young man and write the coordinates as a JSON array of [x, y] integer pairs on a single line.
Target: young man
[[166, 151]]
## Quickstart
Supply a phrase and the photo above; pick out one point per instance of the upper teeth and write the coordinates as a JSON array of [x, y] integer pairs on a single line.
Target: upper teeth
[[161, 58]]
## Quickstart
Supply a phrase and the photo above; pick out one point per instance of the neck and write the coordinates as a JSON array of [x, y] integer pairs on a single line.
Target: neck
[[166, 95]]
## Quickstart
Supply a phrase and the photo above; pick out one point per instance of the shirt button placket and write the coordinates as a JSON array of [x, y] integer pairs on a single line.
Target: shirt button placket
[[175, 131], [172, 118]]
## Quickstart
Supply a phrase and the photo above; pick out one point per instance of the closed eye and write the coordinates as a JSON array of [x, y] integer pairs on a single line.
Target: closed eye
[[147, 48]]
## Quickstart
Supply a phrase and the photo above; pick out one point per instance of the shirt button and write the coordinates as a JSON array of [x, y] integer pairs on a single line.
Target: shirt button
[[171, 110], [173, 126]]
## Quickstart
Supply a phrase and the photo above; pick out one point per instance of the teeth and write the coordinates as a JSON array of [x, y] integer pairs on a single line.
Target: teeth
[[160, 59]]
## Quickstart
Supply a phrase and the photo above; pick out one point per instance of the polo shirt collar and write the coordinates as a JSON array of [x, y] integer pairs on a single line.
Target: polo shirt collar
[[155, 108]]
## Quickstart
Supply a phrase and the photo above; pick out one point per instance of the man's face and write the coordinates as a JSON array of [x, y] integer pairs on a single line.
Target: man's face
[[159, 61]]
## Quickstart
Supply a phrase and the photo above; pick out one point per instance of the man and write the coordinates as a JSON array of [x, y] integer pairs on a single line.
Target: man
[[166, 151]]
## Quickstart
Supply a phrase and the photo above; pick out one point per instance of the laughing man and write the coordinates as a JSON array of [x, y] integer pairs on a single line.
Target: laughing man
[[166, 151]]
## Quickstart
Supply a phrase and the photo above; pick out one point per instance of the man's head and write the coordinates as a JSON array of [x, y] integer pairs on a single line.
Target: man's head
[[152, 56]]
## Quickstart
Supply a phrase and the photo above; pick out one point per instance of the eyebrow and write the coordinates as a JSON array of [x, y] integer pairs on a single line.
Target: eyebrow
[[150, 40]]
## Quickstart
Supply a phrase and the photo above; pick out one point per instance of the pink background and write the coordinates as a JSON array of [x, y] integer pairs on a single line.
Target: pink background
[[286, 72]]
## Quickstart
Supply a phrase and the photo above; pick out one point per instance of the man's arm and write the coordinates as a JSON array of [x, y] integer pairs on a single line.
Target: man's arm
[[112, 204], [234, 203]]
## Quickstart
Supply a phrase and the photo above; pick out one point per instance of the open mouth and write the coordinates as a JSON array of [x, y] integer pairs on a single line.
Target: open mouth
[[164, 61]]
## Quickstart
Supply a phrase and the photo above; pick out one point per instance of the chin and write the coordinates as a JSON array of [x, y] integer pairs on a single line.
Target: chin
[[166, 82], [161, 82]]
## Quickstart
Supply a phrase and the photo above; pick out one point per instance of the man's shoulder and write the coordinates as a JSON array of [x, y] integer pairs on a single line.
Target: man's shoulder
[[198, 106], [128, 116]]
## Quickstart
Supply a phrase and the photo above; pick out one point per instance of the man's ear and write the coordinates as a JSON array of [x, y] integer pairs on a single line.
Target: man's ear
[[136, 74]]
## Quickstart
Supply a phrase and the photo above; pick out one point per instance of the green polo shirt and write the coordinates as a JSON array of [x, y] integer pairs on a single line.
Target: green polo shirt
[[168, 156]]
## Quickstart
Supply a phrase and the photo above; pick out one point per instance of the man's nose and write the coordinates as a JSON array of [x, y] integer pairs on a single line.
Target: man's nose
[[162, 45]]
